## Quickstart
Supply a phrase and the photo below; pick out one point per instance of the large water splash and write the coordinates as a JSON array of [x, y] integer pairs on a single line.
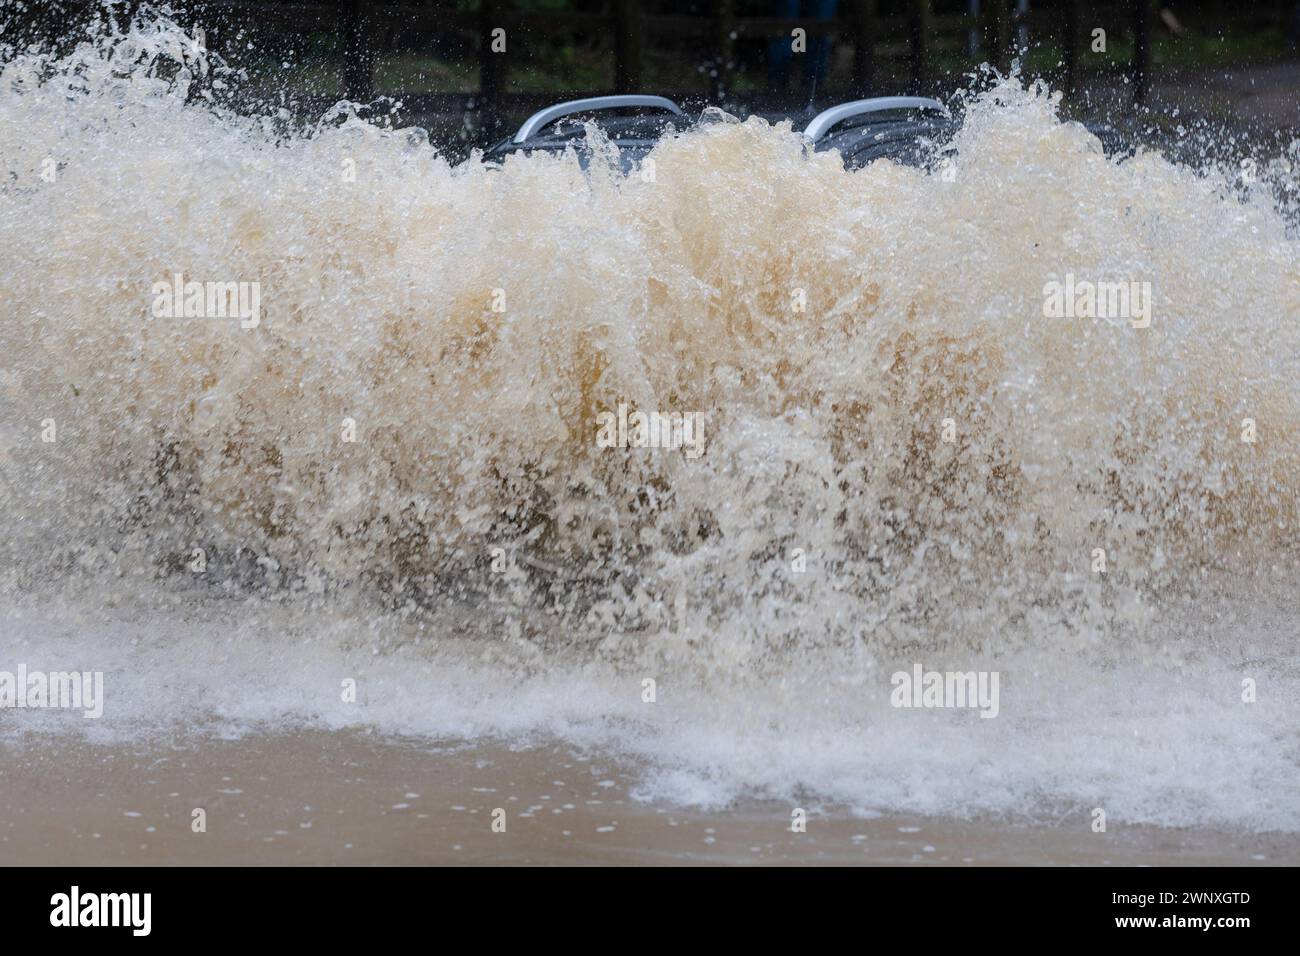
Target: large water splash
[[903, 454]]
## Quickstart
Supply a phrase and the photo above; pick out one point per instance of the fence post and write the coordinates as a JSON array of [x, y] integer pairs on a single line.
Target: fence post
[[997, 34], [723, 48], [1143, 13], [490, 68], [863, 12], [357, 59], [628, 46], [920, 42], [1071, 26]]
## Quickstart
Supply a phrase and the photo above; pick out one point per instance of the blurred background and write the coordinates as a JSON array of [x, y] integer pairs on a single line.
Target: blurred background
[[468, 70]]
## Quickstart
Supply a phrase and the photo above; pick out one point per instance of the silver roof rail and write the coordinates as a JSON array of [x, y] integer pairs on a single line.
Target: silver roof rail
[[549, 115], [823, 121]]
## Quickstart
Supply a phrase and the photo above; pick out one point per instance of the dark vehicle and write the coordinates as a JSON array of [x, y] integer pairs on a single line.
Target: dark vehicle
[[906, 129], [624, 119]]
